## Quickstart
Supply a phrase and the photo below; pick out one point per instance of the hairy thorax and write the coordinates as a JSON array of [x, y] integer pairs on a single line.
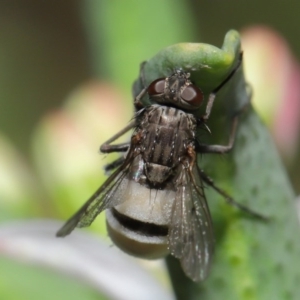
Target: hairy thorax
[[166, 132]]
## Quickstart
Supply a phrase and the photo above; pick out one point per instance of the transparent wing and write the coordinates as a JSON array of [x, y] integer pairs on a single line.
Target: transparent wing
[[191, 237], [108, 195]]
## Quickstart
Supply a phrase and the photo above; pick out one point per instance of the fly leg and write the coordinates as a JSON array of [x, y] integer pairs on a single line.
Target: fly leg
[[106, 147], [212, 95], [137, 101], [220, 149], [113, 165], [229, 199]]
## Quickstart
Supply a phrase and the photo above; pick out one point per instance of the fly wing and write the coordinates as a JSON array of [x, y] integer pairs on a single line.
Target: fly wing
[[191, 237], [108, 195]]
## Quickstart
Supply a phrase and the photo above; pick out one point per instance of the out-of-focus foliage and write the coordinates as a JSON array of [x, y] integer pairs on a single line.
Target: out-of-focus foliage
[[93, 268], [43, 284], [39, 69]]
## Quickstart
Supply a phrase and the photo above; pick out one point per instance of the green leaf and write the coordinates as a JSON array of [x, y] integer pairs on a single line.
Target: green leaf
[[208, 66], [253, 259]]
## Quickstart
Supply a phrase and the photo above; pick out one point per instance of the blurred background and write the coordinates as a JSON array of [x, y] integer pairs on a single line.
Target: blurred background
[[66, 70]]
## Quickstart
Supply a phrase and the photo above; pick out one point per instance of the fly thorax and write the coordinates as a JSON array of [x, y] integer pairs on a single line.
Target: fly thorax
[[166, 132], [157, 174]]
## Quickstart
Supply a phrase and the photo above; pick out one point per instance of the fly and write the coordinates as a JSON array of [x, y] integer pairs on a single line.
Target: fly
[[154, 199]]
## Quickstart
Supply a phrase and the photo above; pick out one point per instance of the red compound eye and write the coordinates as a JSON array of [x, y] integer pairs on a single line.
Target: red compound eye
[[193, 95], [157, 87]]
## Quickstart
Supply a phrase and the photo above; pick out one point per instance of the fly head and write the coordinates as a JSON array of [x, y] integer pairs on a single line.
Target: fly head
[[176, 90]]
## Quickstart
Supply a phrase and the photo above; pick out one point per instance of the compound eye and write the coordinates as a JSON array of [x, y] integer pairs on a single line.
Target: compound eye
[[192, 95], [157, 87]]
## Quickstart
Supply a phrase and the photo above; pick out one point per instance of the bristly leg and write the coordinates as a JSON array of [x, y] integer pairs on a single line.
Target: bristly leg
[[220, 149], [230, 200], [212, 95], [106, 147], [115, 164], [137, 101]]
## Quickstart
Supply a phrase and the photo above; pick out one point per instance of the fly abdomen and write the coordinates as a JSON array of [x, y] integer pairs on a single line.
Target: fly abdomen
[[140, 225], [143, 228], [135, 243]]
